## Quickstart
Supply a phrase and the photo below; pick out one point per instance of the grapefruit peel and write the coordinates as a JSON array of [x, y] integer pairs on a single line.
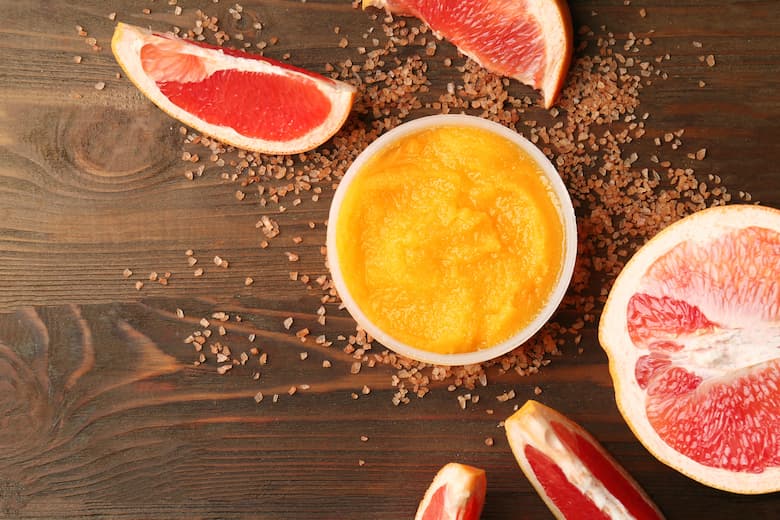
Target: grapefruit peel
[[185, 62], [456, 493], [570, 470], [723, 341], [467, 24]]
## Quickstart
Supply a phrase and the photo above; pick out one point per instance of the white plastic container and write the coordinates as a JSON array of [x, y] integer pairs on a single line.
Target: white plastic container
[[569, 250]]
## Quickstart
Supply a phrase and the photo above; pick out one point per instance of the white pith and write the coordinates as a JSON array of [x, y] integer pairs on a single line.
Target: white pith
[[723, 352], [531, 426], [128, 41], [460, 482], [623, 354]]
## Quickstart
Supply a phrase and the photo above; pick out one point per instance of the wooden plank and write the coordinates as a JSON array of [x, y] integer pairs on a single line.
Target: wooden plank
[[103, 413]]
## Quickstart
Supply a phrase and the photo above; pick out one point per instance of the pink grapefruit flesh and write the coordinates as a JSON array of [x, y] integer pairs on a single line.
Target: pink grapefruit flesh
[[692, 330]]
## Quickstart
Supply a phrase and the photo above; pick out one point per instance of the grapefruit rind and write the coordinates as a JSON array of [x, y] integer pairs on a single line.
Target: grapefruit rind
[[558, 46], [531, 425], [464, 483], [126, 45], [703, 226]]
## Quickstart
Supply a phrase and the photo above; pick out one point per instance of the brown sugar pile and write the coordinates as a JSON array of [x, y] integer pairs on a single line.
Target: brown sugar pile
[[621, 198]]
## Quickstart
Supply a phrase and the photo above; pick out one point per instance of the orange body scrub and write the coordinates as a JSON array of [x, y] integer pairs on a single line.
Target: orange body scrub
[[450, 239]]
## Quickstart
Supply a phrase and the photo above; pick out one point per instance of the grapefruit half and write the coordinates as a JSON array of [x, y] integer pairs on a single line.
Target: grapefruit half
[[456, 493], [528, 40], [242, 99], [692, 331], [571, 471]]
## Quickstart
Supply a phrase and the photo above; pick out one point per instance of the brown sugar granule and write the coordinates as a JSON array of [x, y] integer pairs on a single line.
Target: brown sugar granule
[[361, 462], [537, 390], [248, 281], [77, 59], [198, 272], [489, 441], [139, 285], [622, 199], [223, 369], [710, 60], [287, 323], [112, 16], [258, 397], [100, 85], [506, 396], [364, 438], [343, 43], [127, 273], [326, 364]]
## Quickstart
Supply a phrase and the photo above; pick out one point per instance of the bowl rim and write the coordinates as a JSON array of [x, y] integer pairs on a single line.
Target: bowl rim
[[566, 210]]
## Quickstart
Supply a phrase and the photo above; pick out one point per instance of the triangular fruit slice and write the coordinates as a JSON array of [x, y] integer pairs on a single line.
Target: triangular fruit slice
[[692, 330], [456, 493], [529, 40], [571, 471], [242, 99]]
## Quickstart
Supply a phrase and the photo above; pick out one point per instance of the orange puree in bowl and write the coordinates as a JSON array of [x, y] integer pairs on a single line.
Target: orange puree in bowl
[[450, 239]]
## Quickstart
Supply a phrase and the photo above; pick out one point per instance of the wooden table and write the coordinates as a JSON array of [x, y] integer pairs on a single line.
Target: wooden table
[[102, 412]]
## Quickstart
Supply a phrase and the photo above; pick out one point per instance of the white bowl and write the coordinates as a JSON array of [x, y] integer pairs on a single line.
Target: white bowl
[[569, 228]]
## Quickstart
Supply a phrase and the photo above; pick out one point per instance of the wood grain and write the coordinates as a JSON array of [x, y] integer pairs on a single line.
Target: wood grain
[[103, 413]]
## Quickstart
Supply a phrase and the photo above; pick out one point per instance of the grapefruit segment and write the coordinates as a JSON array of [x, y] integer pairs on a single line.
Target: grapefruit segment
[[692, 331], [456, 493], [245, 100], [529, 40], [570, 470]]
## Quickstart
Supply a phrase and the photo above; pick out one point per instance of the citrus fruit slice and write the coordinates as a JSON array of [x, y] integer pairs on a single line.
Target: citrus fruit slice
[[571, 471], [692, 331], [529, 40], [242, 99], [456, 493]]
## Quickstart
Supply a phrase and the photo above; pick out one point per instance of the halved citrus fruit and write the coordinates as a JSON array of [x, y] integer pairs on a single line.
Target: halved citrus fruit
[[242, 99], [529, 40], [692, 331], [571, 471], [456, 493]]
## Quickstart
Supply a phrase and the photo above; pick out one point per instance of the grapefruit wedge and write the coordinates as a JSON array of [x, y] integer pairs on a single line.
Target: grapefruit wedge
[[456, 493], [242, 99], [692, 331], [528, 40], [571, 471]]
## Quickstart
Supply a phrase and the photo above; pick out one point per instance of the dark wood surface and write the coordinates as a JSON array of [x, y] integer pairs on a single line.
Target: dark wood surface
[[102, 412]]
